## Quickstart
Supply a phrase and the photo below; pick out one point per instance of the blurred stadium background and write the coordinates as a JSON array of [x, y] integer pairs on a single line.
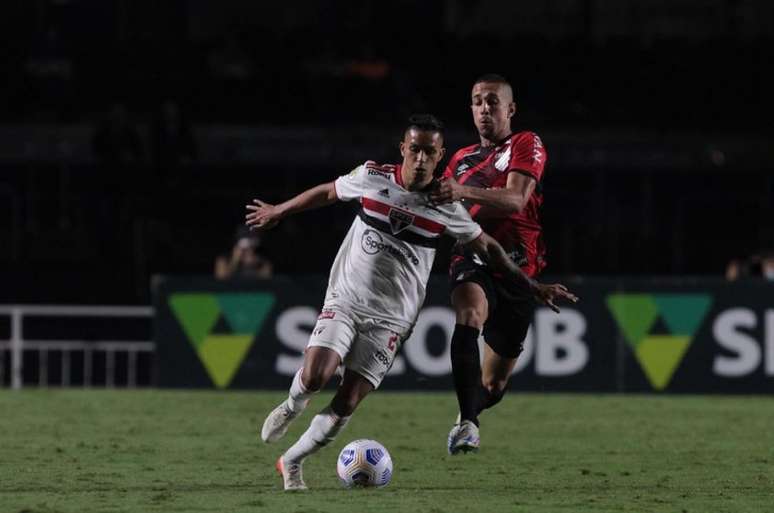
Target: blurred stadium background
[[657, 116], [132, 134]]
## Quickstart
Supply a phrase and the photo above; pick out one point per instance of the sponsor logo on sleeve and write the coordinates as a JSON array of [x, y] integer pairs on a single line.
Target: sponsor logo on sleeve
[[537, 150], [374, 172]]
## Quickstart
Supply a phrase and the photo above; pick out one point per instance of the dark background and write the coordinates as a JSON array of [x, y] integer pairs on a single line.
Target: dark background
[[657, 118]]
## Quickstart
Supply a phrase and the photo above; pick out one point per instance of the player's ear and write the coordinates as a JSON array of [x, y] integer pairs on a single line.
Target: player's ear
[[511, 109], [402, 149], [441, 153]]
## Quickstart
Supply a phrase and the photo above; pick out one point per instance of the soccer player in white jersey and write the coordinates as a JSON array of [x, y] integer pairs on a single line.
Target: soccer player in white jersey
[[377, 283]]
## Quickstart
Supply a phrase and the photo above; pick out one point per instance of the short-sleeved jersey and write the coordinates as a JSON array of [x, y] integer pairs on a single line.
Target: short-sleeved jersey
[[520, 233], [383, 264]]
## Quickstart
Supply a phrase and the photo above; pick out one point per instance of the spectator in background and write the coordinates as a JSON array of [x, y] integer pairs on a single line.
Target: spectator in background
[[736, 268], [247, 259], [759, 265], [767, 265], [116, 139]]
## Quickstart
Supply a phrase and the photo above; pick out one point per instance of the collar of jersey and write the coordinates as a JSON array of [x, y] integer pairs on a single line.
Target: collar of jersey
[[489, 149]]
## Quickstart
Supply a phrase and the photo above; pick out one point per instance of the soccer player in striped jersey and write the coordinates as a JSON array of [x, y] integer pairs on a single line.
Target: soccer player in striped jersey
[[376, 285], [499, 181]]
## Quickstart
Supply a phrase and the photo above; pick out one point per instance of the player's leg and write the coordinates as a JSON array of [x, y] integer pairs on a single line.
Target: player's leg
[[367, 362], [320, 364], [495, 372], [471, 306], [323, 429], [504, 334], [332, 419], [330, 341], [471, 310]]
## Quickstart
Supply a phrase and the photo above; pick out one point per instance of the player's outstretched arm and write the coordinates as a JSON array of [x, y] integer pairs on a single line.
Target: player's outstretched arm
[[493, 253], [512, 198], [262, 216]]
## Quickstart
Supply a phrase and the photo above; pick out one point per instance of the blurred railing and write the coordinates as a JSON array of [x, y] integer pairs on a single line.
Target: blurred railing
[[17, 345]]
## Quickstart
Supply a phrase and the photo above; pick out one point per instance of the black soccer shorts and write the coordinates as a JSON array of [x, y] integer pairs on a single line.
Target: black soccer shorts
[[511, 306]]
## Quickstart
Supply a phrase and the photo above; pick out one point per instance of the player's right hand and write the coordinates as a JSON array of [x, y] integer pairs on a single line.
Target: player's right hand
[[548, 294], [261, 215], [445, 190]]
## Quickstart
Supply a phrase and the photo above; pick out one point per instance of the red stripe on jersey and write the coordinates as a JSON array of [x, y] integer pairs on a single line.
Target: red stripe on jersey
[[388, 168], [393, 169], [419, 222], [428, 225], [399, 176], [376, 206]]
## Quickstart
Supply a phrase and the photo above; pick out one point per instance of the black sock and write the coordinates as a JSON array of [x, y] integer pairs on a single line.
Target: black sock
[[488, 399], [466, 368]]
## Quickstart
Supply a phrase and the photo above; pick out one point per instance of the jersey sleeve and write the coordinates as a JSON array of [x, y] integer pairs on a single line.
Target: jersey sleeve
[[451, 167], [528, 155], [351, 186], [461, 226], [449, 171]]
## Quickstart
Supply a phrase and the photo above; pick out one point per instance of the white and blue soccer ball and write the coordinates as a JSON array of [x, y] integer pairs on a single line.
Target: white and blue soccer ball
[[364, 463]]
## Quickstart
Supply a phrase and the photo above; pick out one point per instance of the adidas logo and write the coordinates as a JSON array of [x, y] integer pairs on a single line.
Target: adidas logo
[[384, 192]]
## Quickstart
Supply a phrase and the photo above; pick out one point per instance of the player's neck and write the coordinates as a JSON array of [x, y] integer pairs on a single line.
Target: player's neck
[[496, 140], [407, 181]]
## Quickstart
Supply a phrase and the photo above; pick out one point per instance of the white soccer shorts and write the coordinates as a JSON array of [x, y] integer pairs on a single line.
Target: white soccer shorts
[[365, 345]]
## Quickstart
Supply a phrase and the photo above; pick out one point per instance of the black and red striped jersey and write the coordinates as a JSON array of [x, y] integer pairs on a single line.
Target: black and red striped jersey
[[520, 233]]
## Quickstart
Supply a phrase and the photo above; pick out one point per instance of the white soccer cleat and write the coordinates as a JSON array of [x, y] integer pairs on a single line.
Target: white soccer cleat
[[292, 475], [464, 438], [276, 424]]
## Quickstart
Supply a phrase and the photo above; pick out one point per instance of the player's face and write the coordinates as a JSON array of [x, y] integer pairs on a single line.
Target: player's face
[[421, 151], [492, 106]]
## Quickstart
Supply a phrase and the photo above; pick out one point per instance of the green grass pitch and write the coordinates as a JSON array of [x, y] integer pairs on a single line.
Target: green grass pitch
[[141, 451]]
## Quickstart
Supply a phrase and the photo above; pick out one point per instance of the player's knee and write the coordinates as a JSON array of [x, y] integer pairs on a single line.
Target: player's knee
[[344, 406], [495, 387], [313, 381], [473, 316]]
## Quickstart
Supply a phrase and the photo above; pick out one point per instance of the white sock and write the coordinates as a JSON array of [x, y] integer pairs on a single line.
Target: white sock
[[322, 430], [298, 398]]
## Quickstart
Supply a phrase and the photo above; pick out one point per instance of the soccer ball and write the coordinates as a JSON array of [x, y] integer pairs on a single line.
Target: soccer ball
[[364, 463]]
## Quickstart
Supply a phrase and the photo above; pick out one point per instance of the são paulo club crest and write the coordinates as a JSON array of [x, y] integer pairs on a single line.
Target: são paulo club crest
[[400, 220]]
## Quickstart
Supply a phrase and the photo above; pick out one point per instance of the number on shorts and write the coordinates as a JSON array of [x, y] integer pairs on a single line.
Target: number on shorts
[[391, 343]]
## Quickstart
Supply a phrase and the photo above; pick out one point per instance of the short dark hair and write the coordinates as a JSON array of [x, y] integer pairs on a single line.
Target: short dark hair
[[425, 122], [492, 78]]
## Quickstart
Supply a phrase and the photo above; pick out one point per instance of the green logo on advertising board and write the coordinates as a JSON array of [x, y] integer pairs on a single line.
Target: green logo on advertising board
[[659, 354], [221, 328]]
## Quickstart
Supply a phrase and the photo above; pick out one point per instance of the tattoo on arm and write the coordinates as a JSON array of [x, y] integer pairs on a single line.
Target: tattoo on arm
[[499, 260]]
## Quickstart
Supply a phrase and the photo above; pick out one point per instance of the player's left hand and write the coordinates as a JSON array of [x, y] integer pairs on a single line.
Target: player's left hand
[[548, 294], [447, 190], [261, 215]]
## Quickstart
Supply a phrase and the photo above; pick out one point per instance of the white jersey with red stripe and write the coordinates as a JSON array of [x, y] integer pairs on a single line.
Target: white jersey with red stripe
[[383, 264]]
